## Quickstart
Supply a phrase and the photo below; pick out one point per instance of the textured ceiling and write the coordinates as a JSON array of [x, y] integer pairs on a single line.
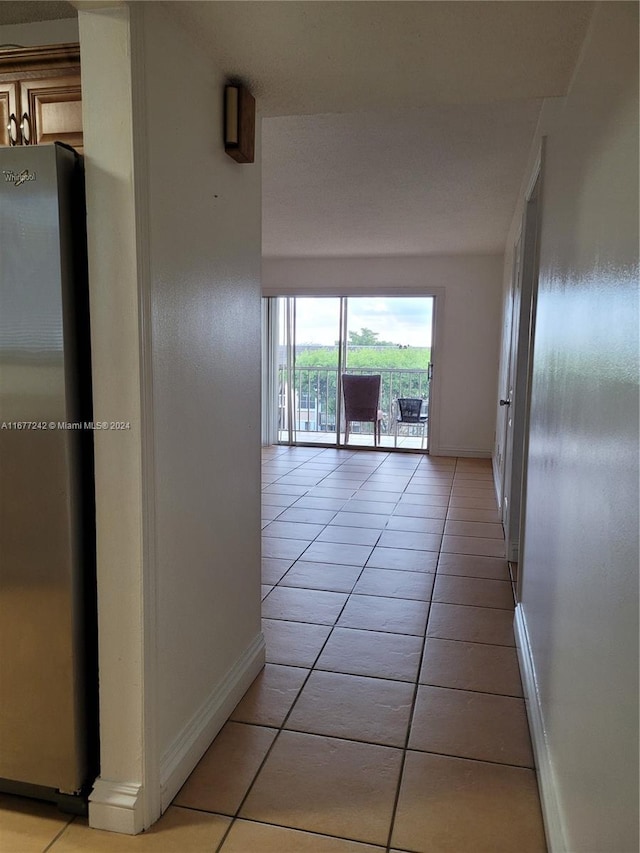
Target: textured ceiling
[[435, 180], [392, 128], [325, 57], [34, 10]]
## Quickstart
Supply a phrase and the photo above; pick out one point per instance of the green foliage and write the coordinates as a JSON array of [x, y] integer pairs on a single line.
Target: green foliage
[[367, 338], [412, 358], [404, 374]]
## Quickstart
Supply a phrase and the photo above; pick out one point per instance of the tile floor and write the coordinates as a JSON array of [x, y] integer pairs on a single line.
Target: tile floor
[[389, 716]]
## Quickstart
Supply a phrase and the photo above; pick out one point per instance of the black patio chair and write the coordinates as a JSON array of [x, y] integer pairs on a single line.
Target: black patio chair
[[411, 411]]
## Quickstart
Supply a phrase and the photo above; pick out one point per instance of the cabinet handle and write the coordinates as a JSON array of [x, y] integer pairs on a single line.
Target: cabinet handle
[[25, 124], [13, 134]]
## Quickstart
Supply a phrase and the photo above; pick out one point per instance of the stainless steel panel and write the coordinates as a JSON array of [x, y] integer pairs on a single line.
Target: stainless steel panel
[[41, 722]]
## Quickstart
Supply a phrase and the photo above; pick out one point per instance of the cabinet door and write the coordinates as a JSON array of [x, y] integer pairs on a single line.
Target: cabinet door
[[54, 107], [8, 108]]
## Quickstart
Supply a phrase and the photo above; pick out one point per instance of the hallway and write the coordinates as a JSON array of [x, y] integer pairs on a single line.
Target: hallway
[[389, 715]]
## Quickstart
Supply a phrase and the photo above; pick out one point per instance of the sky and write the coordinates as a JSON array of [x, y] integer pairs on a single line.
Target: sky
[[403, 320]]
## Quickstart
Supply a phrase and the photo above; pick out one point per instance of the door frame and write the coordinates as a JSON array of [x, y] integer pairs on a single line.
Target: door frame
[[523, 338], [507, 400], [270, 328]]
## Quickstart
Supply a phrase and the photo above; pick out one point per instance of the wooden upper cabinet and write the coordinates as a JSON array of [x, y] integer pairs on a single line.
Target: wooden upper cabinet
[[54, 109], [41, 87], [8, 111]]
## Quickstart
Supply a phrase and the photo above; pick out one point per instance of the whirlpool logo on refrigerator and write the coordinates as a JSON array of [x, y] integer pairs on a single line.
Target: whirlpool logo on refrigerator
[[18, 178]]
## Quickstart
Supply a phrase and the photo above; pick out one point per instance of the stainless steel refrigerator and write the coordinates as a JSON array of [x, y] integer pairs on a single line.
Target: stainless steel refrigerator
[[48, 648]]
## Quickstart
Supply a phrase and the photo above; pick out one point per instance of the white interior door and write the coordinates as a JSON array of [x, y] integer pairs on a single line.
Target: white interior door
[[507, 399], [520, 368]]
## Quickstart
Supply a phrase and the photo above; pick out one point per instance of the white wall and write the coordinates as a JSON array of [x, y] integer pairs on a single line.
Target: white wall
[[174, 244], [468, 290], [63, 31], [579, 611], [204, 272]]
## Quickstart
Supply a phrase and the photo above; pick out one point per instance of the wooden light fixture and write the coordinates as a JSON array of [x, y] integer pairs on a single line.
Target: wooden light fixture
[[239, 123]]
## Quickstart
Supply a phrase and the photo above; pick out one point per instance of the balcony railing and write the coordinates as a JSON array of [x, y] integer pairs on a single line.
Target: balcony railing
[[314, 396]]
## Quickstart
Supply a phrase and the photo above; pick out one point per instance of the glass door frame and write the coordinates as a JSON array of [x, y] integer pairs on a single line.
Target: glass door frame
[[289, 329]]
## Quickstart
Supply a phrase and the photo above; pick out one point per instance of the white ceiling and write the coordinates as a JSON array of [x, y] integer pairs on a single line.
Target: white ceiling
[[440, 180], [332, 56], [29, 11], [392, 128]]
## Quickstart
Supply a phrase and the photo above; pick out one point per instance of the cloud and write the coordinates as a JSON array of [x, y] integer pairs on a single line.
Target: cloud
[[403, 320]]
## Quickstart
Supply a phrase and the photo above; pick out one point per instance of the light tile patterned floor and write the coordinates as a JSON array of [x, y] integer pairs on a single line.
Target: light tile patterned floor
[[389, 716]]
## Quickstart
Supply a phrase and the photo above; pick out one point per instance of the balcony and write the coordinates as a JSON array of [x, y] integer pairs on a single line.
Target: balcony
[[313, 399]]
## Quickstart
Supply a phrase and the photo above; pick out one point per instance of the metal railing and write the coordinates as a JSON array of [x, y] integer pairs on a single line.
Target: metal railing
[[315, 391]]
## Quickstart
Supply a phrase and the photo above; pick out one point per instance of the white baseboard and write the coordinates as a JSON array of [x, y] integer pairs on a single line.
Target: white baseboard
[[119, 806], [192, 742], [460, 451], [116, 807], [556, 838]]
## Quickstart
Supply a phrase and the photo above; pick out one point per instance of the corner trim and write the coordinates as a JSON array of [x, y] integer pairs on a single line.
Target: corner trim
[[553, 823], [193, 740], [116, 806], [140, 171]]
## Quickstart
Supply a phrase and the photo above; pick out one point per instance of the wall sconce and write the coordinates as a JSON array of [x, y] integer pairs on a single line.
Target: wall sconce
[[239, 123]]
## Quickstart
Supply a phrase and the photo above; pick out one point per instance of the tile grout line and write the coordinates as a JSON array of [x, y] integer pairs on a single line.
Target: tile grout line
[[315, 540], [377, 742], [417, 470], [280, 727], [394, 633], [53, 841], [235, 816], [311, 670], [413, 707], [376, 847]]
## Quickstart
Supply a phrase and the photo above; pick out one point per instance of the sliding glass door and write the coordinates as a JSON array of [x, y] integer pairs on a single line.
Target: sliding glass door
[[308, 369], [321, 338]]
